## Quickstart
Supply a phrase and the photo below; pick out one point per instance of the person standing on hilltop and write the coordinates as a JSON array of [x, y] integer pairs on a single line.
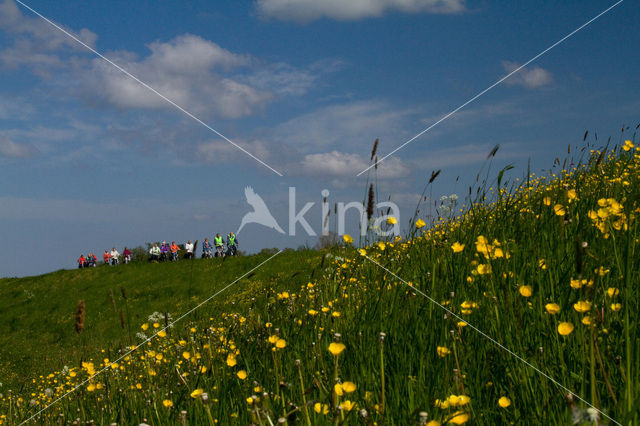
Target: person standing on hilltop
[[206, 248], [164, 251], [114, 256], [232, 244], [82, 261], [174, 251], [219, 243], [106, 257], [189, 250], [126, 255], [155, 252]]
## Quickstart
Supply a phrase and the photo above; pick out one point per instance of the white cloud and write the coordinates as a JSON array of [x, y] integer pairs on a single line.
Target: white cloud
[[37, 44], [354, 125], [188, 70], [530, 78], [11, 149], [342, 164], [345, 10], [466, 155]]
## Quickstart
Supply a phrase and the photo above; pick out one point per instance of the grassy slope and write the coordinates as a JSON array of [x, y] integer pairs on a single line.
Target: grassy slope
[[37, 331], [533, 255]]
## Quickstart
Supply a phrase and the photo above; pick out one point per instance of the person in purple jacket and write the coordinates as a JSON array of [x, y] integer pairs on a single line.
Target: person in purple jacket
[[164, 251]]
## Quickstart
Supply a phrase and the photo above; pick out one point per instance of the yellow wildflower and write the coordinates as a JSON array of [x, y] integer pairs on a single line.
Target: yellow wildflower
[[552, 308], [167, 403], [582, 306], [197, 393], [336, 348], [526, 290], [347, 238], [457, 247], [242, 374], [504, 402], [565, 328], [420, 223], [442, 351]]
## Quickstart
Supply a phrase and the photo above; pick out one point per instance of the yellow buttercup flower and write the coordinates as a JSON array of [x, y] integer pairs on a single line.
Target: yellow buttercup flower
[[337, 388], [526, 290], [144, 326], [459, 418], [484, 269], [281, 343], [628, 145], [546, 201], [457, 247], [433, 423], [162, 333], [582, 306], [242, 374], [391, 220], [347, 238], [552, 308], [504, 402], [420, 223], [612, 292], [231, 360], [442, 351], [362, 252], [559, 210], [336, 348], [273, 339], [347, 405], [349, 387], [321, 408], [615, 307], [565, 328], [186, 355], [197, 393], [167, 403]]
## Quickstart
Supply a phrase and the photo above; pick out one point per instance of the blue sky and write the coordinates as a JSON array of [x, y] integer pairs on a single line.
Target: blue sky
[[90, 159]]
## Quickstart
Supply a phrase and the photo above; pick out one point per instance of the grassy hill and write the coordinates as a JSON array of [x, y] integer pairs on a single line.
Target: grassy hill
[[522, 310], [37, 331]]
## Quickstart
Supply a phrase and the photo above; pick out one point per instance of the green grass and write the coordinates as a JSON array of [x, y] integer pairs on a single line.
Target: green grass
[[261, 351], [37, 333]]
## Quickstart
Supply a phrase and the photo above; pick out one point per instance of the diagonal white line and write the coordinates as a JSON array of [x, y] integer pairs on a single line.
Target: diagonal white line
[[446, 116], [494, 341], [106, 367], [127, 73]]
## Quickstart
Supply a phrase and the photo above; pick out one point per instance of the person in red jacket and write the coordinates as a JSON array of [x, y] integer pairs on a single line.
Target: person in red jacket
[[106, 257], [82, 261], [174, 250], [126, 254]]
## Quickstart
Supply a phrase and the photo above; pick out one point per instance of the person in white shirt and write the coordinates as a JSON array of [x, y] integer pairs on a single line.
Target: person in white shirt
[[114, 256], [189, 249]]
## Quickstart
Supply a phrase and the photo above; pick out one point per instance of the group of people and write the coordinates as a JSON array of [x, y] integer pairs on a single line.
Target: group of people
[[169, 252], [166, 251], [109, 257], [219, 245]]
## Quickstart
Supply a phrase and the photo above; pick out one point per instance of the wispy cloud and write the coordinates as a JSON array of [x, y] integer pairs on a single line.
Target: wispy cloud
[[341, 164], [11, 149], [353, 125], [303, 11], [530, 78], [36, 44]]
